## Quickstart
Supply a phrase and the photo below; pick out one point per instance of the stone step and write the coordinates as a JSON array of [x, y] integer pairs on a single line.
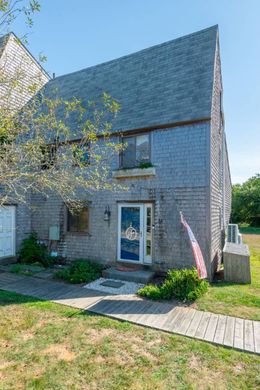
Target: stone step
[[138, 276]]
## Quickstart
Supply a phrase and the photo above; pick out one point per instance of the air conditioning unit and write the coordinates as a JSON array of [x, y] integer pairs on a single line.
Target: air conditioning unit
[[233, 233]]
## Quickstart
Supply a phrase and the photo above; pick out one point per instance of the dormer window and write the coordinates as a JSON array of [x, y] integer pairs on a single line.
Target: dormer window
[[137, 151]]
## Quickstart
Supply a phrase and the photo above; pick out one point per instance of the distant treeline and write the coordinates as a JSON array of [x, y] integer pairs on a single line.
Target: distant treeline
[[246, 202]]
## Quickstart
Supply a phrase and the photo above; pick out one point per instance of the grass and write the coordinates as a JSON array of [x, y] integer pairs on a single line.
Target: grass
[[49, 346], [249, 230], [241, 300], [26, 269]]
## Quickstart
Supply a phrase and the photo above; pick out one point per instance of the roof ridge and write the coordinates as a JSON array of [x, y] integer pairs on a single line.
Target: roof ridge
[[183, 37], [10, 34]]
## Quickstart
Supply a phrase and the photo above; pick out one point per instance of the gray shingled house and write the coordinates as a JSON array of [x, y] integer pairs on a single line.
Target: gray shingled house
[[172, 121], [16, 64]]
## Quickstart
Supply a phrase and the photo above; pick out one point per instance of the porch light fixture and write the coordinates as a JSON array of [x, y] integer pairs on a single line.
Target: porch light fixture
[[107, 213]]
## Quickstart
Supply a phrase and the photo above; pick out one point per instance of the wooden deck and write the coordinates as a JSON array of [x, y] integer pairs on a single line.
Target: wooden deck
[[215, 328]]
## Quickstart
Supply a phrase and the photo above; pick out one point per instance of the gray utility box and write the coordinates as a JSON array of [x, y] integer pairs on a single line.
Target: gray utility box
[[236, 263], [54, 233]]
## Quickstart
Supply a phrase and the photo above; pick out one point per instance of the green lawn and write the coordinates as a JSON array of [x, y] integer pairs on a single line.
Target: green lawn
[[234, 299], [49, 346], [249, 230]]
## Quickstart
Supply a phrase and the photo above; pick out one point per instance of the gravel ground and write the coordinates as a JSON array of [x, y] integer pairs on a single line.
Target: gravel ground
[[127, 288]]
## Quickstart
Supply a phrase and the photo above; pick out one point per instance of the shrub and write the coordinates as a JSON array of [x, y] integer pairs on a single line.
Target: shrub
[[32, 251], [151, 291], [25, 269], [81, 271], [181, 284]]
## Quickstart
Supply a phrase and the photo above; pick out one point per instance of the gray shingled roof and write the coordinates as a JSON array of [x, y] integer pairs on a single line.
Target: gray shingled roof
[[163, 84]]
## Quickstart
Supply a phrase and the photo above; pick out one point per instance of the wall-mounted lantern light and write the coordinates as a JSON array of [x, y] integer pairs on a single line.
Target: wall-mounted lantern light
[[107, 214]]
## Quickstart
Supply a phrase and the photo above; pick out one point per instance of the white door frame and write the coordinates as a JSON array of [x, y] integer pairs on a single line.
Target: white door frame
[[142, 243], [13, 230]]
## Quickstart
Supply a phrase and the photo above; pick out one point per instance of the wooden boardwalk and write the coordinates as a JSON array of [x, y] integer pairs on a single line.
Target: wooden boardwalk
[[215, 328]]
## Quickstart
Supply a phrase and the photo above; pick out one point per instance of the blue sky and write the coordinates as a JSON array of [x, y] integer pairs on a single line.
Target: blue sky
[[80, 33]]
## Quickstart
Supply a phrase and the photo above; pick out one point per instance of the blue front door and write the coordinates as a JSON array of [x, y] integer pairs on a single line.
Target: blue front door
[[130, 233]]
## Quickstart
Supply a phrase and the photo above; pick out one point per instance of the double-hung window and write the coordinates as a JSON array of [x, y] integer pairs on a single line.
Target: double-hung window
[[136, 151]]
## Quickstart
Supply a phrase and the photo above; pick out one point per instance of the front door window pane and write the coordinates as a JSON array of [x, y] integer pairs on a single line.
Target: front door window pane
[[130, 233]]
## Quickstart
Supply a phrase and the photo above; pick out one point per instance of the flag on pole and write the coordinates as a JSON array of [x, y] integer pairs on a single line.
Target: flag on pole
[[200, 264]]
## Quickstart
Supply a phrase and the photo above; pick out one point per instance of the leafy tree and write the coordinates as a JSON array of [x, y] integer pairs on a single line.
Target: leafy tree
[[36, 152], [246, 202], [10, 10]]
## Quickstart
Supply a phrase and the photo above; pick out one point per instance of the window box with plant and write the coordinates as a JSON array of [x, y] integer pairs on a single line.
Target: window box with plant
[[135, 158]]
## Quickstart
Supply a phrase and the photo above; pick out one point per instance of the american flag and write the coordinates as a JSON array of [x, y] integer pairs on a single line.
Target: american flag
[[200, 264]]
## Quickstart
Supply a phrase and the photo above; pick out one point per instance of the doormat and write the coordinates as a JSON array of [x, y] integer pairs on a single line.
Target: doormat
[[127, 269], [112, 283]]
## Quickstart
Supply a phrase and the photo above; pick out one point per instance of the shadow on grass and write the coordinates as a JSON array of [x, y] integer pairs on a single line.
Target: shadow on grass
[[227, 284]]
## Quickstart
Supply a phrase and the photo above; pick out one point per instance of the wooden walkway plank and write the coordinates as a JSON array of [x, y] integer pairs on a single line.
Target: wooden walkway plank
[[162, 321], [185, 323], [176, 325], [220, 330], [137, 310], [158, 316], [249, 336], [194, 324], [9, 279], [146, 317], [239, 333], [102, 307], [256, 327], [171, 318], [211, 328], [201, 330], [119, 307], [229, 332]]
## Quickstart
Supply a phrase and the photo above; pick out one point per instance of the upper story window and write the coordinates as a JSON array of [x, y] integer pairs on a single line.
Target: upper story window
[[137, 151], [49, 156], [81, 154]]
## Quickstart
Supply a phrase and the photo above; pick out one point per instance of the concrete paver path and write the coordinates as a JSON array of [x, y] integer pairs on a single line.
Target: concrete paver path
[[216, 328]]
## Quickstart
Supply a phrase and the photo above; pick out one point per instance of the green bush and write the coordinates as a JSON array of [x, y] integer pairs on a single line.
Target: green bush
[[181, 284], [81, 271], [32, 251], [27, 269]]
